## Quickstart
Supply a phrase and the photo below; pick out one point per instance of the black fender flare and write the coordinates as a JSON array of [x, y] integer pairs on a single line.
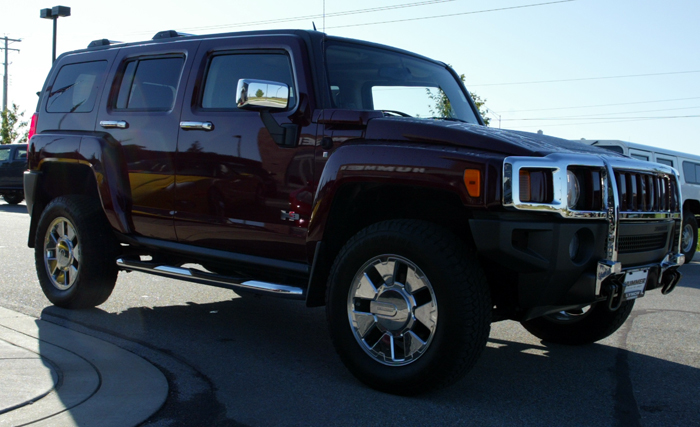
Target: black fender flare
[[105, 160]]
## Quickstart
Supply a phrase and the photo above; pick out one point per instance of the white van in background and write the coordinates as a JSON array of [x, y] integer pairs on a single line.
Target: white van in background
[[688, 165]]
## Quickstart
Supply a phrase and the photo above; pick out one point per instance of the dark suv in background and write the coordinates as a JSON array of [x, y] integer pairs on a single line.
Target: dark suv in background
[[13, 163], [345, 173]]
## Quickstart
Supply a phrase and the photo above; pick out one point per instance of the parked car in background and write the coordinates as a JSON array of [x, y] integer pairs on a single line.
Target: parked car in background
[[13, 163], [688, 165]]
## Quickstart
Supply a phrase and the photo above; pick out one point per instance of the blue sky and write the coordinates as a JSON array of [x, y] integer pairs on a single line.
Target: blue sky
[[594, 69]]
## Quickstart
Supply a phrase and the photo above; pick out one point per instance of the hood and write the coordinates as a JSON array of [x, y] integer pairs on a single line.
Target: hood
[[483, 138]]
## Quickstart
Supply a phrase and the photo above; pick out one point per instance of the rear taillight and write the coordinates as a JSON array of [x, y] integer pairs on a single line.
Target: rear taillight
[[32, 127]]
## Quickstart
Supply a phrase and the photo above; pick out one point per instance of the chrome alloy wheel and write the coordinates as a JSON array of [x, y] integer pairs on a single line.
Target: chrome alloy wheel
[[687, 238], [392, 310], [62, 253]]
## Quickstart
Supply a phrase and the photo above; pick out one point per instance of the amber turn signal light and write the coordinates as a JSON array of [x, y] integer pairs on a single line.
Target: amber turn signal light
[[472, 179]]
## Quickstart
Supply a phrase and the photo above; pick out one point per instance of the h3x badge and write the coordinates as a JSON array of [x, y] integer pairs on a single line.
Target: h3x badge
[[291, 216]]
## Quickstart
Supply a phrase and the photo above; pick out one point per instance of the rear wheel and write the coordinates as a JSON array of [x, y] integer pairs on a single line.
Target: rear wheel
[[408, 307], [578, 327], [689, 236], [75, 253]]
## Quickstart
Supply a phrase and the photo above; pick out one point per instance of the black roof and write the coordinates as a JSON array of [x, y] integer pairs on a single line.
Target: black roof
[[174, 36]]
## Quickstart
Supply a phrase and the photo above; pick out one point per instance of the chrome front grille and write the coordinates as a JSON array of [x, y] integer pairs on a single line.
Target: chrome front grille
[[629, 195], [646, 192]]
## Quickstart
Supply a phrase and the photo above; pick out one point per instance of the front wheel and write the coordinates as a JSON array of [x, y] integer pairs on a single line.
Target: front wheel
[[689, 236], [75, 253], [578, 327], [408, 307]]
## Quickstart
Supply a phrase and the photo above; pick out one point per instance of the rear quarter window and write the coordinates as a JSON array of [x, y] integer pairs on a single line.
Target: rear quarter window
[[691, 172], [75, 88]]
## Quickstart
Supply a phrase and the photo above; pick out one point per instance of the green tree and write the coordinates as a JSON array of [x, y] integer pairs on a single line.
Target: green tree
[[13, 128], [479, 105], [443, 108], [259, 93]]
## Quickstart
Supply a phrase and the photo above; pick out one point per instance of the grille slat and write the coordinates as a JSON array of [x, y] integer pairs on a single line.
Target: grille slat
[[648, 242], [646, 192]]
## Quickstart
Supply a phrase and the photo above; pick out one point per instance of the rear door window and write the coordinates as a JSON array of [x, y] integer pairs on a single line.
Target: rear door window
[[150, 84], [4, 154], [75, 87]]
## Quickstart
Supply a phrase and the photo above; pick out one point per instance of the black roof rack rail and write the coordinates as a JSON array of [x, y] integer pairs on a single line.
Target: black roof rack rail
[[100, 43], [169, 34]]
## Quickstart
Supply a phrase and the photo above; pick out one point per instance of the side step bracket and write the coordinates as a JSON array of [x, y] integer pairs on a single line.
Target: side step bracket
[[198, 276]]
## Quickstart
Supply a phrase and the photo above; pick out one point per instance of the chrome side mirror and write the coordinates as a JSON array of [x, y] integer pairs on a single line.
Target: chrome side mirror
[[256, 94]]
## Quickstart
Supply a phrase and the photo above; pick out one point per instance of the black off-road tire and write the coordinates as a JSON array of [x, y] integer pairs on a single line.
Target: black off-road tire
[[75, 253], [689, 236], [572, 328], [13, 198], [426, 257]]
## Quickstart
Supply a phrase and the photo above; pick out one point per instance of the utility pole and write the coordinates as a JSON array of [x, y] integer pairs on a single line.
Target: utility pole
[[6, 76]]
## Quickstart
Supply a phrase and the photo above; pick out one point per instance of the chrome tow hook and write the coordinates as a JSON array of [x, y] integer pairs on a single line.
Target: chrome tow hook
[[669, 281], [614, 298]]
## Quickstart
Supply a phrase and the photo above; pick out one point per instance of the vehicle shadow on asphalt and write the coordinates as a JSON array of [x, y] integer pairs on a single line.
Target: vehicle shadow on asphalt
[[21, 208], [263, 353], [694, 268]]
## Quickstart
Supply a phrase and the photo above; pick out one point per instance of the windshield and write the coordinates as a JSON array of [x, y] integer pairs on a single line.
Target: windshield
[[367, 78]]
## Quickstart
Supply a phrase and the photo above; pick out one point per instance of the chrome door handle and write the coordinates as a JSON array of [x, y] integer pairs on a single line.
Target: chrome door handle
[[120, 124], [196, 125]]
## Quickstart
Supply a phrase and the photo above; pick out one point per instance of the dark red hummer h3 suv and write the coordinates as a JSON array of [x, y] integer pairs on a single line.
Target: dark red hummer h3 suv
[[349, 174]]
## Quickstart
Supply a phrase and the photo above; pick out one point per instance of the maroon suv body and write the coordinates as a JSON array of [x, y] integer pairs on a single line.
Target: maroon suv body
[[354, 175]]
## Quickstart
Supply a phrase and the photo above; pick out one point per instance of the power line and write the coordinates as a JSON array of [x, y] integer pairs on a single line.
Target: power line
[[601, 105], [585, 78], [453, 14], [310, 17], [588, 116], [616, 120]]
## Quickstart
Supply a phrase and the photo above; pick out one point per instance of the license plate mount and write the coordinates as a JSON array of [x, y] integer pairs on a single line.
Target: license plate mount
[[635, 284]]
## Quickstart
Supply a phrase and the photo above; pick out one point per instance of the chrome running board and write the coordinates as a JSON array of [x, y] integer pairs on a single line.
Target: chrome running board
[[198, 276]]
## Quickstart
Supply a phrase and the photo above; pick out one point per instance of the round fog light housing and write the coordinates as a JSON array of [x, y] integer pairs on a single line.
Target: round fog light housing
[[581, 246], [573, 189], [574, 247]]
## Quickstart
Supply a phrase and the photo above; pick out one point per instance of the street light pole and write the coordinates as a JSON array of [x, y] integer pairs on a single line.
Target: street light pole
[[55, 30], [54, 13]]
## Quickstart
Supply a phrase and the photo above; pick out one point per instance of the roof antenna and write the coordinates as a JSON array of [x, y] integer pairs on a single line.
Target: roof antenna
[[314, 24]]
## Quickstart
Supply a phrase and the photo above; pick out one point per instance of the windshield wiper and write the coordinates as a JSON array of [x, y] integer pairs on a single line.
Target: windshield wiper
[[449, 119]]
